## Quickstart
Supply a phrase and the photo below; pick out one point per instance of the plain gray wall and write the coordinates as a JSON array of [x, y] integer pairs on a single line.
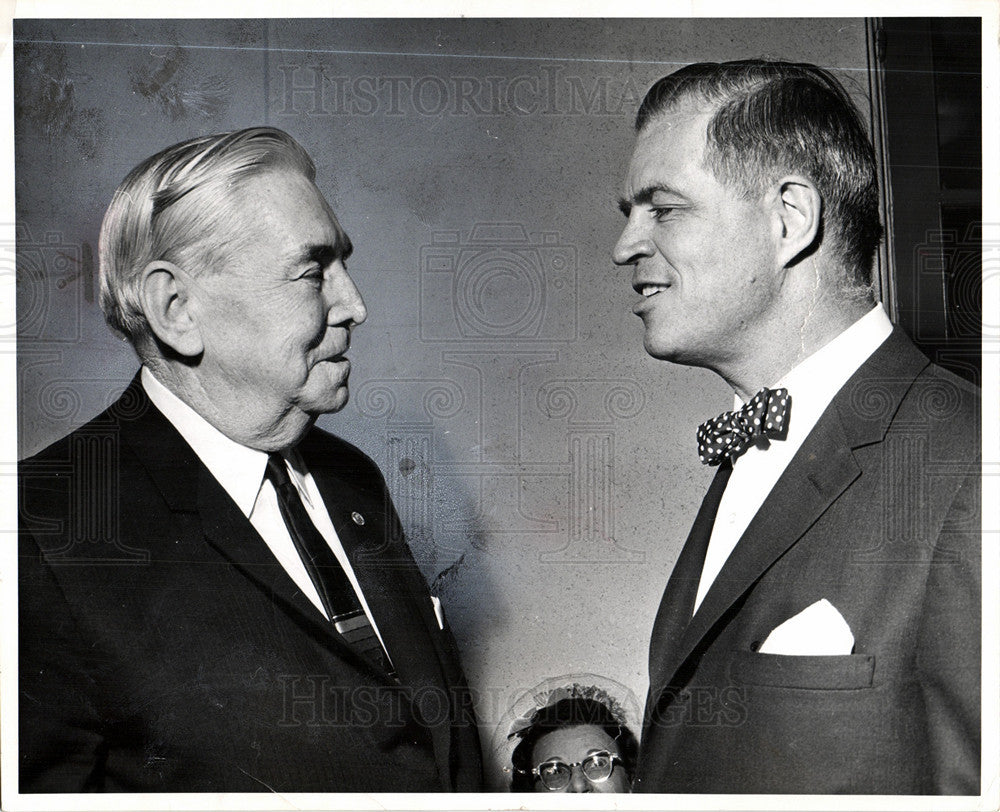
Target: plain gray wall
[[544, 467]]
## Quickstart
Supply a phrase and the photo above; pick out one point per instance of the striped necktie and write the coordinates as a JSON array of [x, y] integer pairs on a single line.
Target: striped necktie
[[335, 590]]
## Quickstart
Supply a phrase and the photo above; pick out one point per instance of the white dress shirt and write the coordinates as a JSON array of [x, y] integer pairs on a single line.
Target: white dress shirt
[[812, 384], [240, 471]]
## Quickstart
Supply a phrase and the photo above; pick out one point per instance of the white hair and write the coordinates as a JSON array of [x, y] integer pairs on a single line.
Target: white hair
[[144, 224]]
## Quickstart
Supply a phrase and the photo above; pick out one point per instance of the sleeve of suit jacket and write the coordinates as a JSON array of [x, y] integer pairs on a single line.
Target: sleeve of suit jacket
[[60, 726], [948, 657]]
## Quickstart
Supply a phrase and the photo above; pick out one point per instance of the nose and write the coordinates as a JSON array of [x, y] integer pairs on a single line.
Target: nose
[[632, 244], [345, 305], [578, 782]]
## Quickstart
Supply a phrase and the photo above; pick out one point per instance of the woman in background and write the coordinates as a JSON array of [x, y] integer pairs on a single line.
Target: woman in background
[[577, 743]]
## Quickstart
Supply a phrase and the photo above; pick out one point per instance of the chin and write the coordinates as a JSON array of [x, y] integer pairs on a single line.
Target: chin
[[675, 349], [659, 351], [327, 403]]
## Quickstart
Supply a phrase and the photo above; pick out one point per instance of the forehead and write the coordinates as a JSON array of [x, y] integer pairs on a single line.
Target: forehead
[[670, 147], [276, 192], [572, 743], [268, 223]]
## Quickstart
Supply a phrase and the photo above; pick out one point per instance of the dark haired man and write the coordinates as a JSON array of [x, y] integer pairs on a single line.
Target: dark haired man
[[215, 595], [820, 631]]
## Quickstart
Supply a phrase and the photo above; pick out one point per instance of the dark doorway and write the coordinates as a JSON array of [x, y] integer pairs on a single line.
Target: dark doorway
[[933, 125]]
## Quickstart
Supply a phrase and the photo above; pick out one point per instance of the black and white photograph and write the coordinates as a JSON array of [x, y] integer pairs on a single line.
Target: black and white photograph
[[430, 408]]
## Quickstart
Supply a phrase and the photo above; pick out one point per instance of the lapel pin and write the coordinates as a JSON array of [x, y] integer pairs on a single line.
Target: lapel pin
[[357, 518]]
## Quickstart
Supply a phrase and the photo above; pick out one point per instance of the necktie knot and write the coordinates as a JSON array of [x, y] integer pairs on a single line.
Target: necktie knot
[[726, 437], [277, 471]]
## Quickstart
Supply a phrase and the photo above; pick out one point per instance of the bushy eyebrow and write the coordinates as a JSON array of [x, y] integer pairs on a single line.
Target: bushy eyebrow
[[325, 254], [643, 197]]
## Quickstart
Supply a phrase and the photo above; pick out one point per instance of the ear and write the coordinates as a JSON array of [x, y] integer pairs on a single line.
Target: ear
[[798, 209], [165, 296]]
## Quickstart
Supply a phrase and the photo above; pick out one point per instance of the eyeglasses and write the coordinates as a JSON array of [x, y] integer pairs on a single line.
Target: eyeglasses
[[556, 775]]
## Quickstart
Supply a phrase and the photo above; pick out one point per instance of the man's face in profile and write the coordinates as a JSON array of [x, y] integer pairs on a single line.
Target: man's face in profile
[[276, 317], [698, 247]]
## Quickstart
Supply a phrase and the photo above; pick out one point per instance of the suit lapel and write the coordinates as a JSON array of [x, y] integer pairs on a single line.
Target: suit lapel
[[396, 593], [822, 469], [187, 486], [394, 590], [674, 614], [817, 475], [233, 537]]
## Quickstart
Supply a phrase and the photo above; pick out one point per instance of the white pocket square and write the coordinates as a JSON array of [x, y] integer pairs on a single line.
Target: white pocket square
[[817, 629], [438, 611]]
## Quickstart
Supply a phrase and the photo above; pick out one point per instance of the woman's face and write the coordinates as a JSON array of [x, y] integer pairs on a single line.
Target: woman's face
[[574, 744]]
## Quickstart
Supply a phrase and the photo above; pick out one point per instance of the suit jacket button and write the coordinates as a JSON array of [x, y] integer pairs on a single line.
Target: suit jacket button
[[357, 518]]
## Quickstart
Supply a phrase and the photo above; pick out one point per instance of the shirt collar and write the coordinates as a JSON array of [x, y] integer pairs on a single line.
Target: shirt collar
[[813, 382], [240, 470]]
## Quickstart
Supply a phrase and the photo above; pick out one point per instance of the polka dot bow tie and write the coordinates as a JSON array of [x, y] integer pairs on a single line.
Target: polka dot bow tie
[[731, 433]]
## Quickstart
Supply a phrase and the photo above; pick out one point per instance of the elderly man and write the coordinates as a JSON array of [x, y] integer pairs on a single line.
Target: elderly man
[[214, 594], [820, 631]]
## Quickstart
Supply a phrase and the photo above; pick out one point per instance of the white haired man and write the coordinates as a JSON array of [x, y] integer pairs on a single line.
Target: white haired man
[[215, 595]]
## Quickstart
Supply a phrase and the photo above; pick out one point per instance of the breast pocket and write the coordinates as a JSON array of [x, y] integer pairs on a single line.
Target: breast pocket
[[840, 672]]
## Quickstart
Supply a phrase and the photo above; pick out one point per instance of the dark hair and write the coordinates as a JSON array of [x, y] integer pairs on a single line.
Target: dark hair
[[776, 117], [569, 712]]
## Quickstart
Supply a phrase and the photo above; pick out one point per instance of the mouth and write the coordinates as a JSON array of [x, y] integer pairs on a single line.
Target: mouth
[[649, 290], [335, 359], [337, 348]]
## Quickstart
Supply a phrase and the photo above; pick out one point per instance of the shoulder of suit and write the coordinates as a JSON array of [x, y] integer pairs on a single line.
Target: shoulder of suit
[[131, 405], [931, 372], [321, 441], [59, 449], [964, 394], [898, 390], [950, 379], [948, 406]]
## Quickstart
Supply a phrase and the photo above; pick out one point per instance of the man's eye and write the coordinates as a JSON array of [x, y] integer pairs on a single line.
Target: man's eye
[[660, 213], [313, 275]]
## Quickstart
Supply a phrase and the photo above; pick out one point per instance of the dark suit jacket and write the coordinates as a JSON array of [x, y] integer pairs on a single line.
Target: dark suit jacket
[[878, 512], [163, 648]]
